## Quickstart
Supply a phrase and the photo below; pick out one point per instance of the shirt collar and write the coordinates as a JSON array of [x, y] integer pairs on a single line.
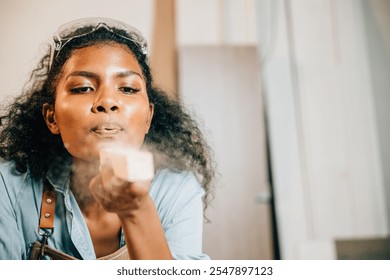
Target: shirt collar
[[59, 175]]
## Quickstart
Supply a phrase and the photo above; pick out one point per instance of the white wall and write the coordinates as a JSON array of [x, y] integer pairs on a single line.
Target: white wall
[[25, 27], [216, 22]]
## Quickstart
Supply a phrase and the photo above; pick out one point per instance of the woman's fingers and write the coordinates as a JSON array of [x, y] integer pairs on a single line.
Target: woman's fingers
[[115, 194]]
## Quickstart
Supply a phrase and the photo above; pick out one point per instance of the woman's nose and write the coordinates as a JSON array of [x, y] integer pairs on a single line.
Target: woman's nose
[[105, 103]]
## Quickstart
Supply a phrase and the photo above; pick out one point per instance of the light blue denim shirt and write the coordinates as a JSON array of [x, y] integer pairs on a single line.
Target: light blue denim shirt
[[177, 197]]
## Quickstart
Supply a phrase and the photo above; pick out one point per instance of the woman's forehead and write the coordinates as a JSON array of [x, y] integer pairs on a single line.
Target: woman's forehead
[[103, 55], [104, 46]]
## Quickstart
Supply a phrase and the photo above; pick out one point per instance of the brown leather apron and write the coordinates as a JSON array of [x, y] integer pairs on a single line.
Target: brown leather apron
[[41, 250]]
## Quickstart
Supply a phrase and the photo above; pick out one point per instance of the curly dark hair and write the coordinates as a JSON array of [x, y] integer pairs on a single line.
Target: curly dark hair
[[174, 135]]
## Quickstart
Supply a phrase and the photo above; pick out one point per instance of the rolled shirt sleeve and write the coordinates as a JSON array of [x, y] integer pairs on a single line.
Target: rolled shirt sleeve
[[178, 198]]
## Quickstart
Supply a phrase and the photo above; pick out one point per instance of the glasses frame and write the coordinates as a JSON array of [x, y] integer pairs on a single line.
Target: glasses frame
[[61, 37]]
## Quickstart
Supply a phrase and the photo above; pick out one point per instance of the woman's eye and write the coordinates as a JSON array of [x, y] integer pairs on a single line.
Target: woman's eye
[[81, 90], [129, 90]]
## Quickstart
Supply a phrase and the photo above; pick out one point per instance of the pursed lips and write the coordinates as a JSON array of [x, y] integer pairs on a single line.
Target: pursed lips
[[107, 129]]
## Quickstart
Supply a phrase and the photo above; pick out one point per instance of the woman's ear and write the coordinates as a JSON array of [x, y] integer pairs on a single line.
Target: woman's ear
[[50, 118], [150, 117]]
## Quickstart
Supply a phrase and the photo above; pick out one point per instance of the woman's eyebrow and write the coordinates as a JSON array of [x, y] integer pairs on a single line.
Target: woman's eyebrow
[[86, 74], [127, 74]]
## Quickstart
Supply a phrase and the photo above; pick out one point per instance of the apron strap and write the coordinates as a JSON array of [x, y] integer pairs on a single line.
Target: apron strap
[[46, 229], [46, 221]]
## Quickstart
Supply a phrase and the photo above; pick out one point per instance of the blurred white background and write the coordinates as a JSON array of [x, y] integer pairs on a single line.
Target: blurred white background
[[309, 76]]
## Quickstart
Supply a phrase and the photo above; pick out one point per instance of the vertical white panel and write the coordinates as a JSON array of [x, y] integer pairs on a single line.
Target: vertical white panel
[[291, 208], [377, 27], [339, 125], [319, 78], [367, 180], [322, 107]]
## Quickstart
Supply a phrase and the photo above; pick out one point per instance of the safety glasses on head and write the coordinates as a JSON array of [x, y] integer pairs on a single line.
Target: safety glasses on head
[[83, 27]]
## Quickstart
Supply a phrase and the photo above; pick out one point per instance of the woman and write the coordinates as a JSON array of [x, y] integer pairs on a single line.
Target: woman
[[95, 88]]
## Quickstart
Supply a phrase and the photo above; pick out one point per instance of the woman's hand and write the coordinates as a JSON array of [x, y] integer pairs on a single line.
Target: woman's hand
[[117, 195], [144, 235]]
